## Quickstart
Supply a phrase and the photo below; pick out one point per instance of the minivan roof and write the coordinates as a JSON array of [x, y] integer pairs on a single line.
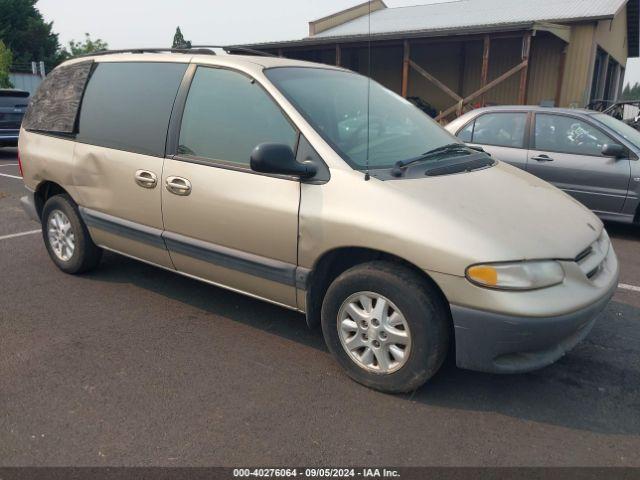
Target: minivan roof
[[226, 60]]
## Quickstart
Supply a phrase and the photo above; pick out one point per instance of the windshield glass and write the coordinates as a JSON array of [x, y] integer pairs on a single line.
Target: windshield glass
[[334, 102], [621, 128]]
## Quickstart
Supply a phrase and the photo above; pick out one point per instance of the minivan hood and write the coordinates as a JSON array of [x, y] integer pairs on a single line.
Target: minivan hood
[[499, 213]]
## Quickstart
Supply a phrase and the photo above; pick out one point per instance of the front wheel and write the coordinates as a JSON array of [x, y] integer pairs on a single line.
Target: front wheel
[[66, 236], [386, 325]]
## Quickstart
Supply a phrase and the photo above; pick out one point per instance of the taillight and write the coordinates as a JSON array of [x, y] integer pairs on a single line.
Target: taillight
[[20, 164]]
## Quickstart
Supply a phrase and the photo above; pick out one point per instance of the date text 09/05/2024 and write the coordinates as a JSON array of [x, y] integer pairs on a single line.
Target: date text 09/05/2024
[[316, 472]]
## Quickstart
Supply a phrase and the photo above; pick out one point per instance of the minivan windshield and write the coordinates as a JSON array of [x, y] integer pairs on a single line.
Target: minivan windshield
[[336, 103], [621, 128]]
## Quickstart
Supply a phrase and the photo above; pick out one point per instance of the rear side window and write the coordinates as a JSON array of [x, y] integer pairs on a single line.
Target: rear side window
[[227, 114], [127, 106], [499, 129], [54, 107]]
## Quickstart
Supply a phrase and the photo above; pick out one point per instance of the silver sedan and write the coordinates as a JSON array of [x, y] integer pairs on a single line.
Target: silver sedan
[[591, 156]]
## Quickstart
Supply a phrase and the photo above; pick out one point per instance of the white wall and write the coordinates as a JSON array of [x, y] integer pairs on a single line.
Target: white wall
[[25, 81]]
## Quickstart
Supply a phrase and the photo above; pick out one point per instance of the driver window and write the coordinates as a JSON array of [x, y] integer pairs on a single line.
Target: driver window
[[556, 133], [227, 114]]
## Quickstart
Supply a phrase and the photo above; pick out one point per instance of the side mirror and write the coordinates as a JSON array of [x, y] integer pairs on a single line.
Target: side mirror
[[613, 150], [279, 159]]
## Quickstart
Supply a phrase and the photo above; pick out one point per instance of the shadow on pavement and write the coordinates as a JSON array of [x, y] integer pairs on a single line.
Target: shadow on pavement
[[596, 387]]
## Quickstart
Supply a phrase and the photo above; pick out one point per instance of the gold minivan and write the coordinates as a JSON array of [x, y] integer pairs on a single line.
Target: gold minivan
[[311, 187]]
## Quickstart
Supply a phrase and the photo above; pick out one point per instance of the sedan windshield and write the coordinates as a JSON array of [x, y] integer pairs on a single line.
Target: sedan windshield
[[621, 128], [360, 120]]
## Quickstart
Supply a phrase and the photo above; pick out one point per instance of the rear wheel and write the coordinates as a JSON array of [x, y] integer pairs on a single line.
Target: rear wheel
[[66, 236], [386, 325]]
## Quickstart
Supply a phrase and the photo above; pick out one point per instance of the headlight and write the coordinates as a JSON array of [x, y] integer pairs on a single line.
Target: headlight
[[516, 275]]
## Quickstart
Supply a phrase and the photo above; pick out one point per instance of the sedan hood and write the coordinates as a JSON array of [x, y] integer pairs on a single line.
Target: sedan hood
[[499, 213]]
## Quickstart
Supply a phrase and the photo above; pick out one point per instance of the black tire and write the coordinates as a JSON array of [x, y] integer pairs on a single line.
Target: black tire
[[86, 254], [425, 312]]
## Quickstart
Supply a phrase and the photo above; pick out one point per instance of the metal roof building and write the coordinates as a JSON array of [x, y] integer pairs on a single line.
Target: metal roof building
[[464, 53]]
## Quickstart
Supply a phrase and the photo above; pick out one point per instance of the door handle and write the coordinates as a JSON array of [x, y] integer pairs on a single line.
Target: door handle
[[178, 186], [146, 179], [542, 158]]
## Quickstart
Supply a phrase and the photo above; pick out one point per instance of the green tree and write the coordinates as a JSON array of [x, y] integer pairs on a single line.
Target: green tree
[[179, 41], [631, 92], [27, 35], [6, 57], [87, 46]]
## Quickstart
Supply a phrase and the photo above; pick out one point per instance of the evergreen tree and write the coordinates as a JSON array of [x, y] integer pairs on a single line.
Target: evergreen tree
[[631, 92], [27, 35], [179, 41], [6, 57]]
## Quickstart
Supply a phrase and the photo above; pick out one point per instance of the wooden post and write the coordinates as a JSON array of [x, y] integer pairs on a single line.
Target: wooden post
[[526, 49], [563, 63], [485, 66], [338, 55], [405, 69]]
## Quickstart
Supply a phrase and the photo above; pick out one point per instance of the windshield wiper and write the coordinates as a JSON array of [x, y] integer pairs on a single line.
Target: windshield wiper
[[401, 165], [462, 165]]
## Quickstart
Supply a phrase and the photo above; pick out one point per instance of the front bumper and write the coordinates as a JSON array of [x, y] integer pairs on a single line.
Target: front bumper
[[496, 343]]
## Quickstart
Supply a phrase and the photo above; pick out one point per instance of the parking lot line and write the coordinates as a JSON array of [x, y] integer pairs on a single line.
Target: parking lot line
[[9, 165], [21, 234], [10, 176], [633, 288]]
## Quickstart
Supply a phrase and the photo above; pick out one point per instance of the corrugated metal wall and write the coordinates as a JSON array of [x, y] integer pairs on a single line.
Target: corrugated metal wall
[[544, 68], [444, 61], [578, 67], [458, 64], [505, 54], [611, 35]]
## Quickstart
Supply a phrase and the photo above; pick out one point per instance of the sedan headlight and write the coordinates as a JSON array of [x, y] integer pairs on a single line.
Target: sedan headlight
[[516, 275]]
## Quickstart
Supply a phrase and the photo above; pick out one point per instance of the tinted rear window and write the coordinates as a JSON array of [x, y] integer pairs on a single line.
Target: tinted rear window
[[127, 106]]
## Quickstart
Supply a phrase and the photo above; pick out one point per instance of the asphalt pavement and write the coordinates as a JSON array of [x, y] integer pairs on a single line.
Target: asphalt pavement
[[133, 365]]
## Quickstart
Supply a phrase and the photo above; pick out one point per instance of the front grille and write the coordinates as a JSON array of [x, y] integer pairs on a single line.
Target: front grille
[[594, 272], [591, 259], [584, 254]]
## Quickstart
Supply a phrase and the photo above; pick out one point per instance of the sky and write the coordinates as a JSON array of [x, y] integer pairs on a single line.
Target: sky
[[152, 23]]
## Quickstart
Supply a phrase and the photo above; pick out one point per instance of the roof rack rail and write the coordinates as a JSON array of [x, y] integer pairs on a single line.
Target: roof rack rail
[[148, 50], [236, 48], [195, 49]]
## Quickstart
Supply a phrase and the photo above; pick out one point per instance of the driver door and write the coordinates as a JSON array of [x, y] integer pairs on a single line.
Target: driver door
[[566, 151]]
